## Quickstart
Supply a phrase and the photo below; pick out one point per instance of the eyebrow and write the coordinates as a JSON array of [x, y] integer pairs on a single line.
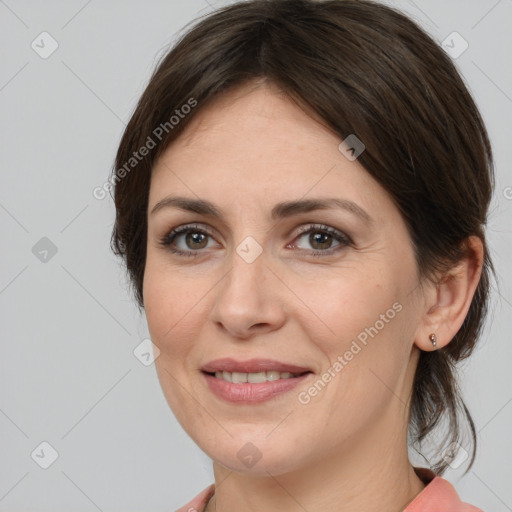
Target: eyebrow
[[279, 211]]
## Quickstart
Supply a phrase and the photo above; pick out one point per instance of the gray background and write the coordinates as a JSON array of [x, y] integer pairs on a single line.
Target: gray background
[[68, 326]]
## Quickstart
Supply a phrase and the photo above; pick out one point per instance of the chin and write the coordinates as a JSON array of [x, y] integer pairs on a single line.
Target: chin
[[253, 455]]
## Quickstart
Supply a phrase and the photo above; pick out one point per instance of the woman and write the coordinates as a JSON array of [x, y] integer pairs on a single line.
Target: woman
[[300, 201]]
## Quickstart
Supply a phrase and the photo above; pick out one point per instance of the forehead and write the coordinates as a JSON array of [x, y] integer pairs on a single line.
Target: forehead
[[261, 109], [255, 144]]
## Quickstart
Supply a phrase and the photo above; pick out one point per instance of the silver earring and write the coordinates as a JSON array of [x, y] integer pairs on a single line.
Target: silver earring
[[433, 339]]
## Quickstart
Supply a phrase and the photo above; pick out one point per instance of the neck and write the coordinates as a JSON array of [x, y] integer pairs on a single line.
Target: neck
[[374, 477]]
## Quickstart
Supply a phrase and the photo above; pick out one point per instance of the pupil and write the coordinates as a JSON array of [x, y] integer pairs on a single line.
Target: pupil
[[317, 237], [195, 237]]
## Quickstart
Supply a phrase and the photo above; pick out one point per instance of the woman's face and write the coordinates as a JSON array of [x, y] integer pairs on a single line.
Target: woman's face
[[340, 300]]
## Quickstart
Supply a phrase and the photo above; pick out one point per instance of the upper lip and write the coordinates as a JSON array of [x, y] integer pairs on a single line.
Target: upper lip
[[251, 366]]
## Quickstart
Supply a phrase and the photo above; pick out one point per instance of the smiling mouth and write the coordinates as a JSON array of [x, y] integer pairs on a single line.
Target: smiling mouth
[[254, 378]]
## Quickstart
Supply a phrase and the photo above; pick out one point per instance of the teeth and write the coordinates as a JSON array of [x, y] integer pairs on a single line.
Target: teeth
[[253, 378]]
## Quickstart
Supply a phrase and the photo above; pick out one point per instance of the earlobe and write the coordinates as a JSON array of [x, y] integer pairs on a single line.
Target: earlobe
[[452, 299]]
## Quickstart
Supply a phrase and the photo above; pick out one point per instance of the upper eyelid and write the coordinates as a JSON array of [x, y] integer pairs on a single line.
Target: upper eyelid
[[304, 229]]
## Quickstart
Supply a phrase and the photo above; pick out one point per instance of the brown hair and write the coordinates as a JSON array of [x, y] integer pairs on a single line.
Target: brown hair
[[364, 69]]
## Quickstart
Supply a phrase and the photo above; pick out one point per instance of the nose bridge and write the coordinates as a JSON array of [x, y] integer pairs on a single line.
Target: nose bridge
[[247, 270], [244, 298]]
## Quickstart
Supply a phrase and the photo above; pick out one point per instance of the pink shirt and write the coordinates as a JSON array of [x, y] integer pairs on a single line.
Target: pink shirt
[[439, 495]]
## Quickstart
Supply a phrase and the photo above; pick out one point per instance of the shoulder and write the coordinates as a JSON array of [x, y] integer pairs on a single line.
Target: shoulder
[[439, 496], [199, 502]]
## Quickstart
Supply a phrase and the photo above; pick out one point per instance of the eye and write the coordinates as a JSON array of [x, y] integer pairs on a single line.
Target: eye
[[321, 237], [194, 239]]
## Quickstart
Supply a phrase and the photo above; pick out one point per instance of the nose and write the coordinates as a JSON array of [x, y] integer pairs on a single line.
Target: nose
[[247, 300]]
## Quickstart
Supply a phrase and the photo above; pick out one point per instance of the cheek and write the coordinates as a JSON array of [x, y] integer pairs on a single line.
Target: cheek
[[168, 298], [360, 327], [348, 304], [172, 324], [169, 311]]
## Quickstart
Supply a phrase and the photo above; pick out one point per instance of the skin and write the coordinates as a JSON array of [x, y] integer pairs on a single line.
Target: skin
[[245, 152]]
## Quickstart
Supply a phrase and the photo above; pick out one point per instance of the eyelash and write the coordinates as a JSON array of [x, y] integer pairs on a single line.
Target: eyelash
[[170, 237]]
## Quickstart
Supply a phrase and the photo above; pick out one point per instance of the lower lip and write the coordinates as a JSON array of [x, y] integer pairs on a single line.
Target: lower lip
[[249, 393]]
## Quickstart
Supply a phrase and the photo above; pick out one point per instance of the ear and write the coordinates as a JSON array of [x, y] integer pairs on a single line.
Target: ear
[[447, 302]]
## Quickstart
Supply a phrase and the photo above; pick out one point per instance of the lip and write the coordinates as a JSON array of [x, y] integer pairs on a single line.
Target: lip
[[251, 393], [228, 364]]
